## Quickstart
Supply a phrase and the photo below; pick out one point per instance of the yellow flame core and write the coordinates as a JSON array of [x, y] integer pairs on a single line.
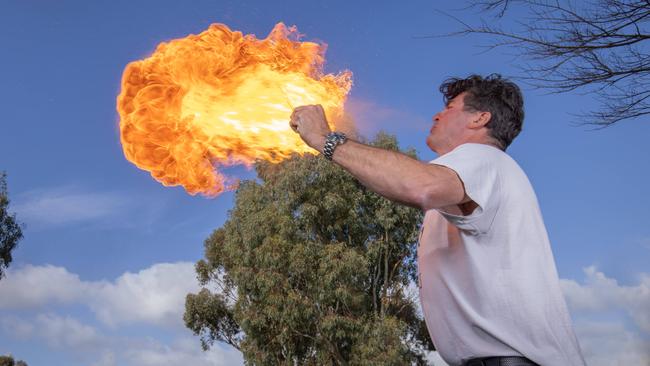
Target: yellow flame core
[[219, 99]]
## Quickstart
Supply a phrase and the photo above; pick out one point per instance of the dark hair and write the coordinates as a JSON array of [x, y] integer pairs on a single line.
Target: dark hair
[[501, 97]]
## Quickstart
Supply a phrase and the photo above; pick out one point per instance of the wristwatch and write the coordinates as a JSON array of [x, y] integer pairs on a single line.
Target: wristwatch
[[332, 140]]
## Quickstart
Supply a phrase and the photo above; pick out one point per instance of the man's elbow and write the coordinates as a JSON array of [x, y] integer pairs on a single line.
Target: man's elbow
[[437, 196], [426, 203], [428, 199]]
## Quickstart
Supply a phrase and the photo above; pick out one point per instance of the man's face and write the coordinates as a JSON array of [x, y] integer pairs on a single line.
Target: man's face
[[449, 126]]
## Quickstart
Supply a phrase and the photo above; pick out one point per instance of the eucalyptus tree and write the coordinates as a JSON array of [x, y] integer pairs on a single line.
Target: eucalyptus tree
[[311, 268]]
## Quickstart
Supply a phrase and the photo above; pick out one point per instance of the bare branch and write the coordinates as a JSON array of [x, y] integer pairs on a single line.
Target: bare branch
[[600, 47]]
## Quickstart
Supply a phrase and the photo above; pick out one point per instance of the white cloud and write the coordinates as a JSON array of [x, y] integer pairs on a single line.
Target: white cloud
[[16, 327], [600, 293], [66, 332], [85, 343], [59, 206], [184, 351], [155, 295], [34, 286], [62, 332], [607, 344]]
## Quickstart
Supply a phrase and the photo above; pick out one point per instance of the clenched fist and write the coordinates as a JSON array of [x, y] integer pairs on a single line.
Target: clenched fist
[[310, 122]]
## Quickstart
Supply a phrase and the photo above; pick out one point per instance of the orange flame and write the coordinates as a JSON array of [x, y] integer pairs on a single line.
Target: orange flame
[[221, 98]]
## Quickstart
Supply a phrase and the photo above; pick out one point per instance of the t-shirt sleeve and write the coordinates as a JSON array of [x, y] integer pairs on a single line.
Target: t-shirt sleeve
[[478, 170]]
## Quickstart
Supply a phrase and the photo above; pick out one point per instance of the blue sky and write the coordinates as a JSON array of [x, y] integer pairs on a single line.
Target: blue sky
[[101, 275]]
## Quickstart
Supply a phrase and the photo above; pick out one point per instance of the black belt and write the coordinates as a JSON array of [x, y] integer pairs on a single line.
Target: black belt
[[500, 361]]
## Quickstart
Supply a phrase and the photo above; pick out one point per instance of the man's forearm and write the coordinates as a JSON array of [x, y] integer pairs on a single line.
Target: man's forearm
[[397, 176], [393, 175]]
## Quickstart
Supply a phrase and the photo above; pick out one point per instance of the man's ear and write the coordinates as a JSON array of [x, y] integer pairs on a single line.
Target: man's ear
[[481, 119]]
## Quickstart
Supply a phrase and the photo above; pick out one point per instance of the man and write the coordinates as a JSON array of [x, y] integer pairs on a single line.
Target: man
[[488, 284]]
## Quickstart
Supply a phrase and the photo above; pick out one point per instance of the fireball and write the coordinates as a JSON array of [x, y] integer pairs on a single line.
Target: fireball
[[221, 98]]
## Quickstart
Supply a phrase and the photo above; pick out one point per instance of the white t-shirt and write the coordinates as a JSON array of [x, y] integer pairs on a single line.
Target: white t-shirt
[[488, 282]]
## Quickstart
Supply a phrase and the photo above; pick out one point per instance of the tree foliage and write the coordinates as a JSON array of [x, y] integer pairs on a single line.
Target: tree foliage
[[9, 361], [311, 268], [598, 46], [10, 231]]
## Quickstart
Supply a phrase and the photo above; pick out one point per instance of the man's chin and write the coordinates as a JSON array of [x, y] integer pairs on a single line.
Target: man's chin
[[431, 143], [435, 147]]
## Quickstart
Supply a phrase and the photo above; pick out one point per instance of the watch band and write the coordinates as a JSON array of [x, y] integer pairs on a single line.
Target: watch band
[[332, 140]]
